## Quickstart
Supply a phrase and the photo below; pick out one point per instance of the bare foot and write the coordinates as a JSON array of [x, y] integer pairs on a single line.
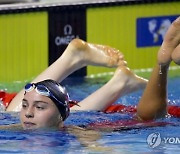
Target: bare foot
[[91, 54], [131, 81], [170, 42], [176, 55]]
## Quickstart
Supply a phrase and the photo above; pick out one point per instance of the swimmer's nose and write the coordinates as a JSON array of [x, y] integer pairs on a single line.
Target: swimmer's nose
[[29, 113]]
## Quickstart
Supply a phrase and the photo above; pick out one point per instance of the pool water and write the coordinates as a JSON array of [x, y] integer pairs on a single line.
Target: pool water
[[127, 140]]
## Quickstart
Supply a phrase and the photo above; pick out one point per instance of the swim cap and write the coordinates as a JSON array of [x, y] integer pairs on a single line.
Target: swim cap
[[58, 95]]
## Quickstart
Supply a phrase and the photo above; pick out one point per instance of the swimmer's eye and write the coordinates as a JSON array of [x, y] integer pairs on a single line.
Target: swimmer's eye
[[24, 106], [40, 107]]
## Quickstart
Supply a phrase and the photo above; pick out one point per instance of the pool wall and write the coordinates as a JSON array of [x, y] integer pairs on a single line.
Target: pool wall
[[31, 38]]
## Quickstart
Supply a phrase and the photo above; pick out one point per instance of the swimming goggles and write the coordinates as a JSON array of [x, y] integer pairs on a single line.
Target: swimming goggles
[[42, 90]]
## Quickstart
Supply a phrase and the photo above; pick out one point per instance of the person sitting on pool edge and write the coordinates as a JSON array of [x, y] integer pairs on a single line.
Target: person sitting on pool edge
[[152, 105]]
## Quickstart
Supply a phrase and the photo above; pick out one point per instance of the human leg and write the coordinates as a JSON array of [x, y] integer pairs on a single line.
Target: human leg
[[122, 83], [153, 103], [171, 41], [77, 55]]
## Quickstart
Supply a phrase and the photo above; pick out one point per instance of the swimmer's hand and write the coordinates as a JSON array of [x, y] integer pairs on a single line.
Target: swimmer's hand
[[88, 138], [84, 134], [11, 127]]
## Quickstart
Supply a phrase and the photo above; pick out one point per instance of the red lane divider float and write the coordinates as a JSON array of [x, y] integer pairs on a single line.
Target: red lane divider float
[[172, 110], [6, 97]]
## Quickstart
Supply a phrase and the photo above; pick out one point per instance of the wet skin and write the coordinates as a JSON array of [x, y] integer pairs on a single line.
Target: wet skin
[[38, 111]]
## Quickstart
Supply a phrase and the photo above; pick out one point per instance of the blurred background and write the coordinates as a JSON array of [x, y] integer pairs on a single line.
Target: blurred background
[[34, 33]]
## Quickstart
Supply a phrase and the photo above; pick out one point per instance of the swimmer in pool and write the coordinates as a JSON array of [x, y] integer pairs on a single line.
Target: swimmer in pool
[[77, 55], [43, 107], [44, 104], [42, 96]]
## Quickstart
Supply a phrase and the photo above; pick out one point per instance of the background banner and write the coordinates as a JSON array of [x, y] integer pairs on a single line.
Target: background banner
[[65, 25], [151, 30]]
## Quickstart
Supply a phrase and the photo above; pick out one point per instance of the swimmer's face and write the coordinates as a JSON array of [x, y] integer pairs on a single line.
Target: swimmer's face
[[39, 111]]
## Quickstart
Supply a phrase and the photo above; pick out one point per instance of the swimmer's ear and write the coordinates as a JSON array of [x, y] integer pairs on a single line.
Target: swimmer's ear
[[60, 121]]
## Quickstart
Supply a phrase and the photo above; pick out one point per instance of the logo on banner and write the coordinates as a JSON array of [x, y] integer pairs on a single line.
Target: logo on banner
[[68, 36], [151, 30]]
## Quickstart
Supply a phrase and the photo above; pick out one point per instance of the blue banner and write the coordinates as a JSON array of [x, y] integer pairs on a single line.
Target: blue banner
[[151, 30]]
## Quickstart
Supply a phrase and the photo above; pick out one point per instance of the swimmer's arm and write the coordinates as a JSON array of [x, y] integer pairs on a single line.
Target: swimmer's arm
[[11, 127], [83, 133], [88, 138]]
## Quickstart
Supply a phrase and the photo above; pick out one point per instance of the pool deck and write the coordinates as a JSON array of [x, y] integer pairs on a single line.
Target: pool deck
[[10, 5], [25, 4]]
